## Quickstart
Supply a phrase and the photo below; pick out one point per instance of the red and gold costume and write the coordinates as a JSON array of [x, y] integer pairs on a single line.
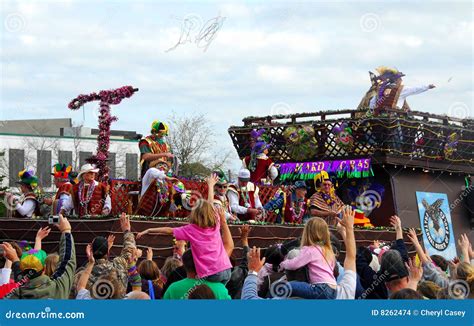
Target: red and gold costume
[[90, 199], [262, 168], [156, 200]]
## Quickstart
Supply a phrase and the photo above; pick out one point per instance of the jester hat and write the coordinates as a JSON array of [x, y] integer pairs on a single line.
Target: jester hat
[[33, 260], [28, 178], [61, 171], [179, 188], [222, 178], [158, 126], [321, 177]]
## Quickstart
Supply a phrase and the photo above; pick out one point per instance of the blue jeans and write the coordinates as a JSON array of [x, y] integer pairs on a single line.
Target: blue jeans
[[222, 277], [312, 291]]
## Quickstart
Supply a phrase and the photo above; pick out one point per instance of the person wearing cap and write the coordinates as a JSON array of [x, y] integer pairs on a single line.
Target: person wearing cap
[[153, 148], [292, 207], [324, 202], [100, 250], [89, 197], [32, 265], [220, 196], [62, 181], [27, 205], [261, 167], [244, 198], [156, 196]]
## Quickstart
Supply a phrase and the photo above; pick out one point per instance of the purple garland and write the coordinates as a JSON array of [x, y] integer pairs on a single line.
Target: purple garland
[[106, 98]]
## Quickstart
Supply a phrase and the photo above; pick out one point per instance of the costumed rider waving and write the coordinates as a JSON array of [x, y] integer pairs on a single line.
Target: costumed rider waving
[[89, 197], [292, 208], [156, 197], [244, 198], [324, 202]]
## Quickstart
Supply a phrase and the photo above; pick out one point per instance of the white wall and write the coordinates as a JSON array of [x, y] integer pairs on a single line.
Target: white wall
[[30, 144]]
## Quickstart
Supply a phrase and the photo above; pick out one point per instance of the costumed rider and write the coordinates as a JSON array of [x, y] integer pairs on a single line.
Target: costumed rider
[[27, 205], [64, 179], [292, 208], [244, 198], [388, 80], [324, 202], [261, 167], [220, 196], [89, 197], [153, 148], [156, 197]]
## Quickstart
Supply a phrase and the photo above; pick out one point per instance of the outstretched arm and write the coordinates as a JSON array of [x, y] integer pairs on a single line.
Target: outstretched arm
[[347, 223], [226, 235], [40, 235], [82, 284], [156, 231], [211, 182], [419, 250]]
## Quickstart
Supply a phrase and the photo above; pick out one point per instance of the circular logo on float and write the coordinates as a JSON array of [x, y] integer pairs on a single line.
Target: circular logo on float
[[435, 225]]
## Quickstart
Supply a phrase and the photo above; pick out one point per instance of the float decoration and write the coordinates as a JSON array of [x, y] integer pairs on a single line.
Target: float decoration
[[300, 142], [106, 98]]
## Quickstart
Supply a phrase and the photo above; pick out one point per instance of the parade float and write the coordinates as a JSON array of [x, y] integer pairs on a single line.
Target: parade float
[[385, 160]]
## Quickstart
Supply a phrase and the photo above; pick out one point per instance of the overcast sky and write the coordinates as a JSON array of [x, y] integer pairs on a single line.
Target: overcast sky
[[267, 57]]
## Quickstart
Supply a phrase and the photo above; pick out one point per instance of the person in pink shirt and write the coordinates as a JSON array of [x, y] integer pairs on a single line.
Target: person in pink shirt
[[210, 251], [315, 253]]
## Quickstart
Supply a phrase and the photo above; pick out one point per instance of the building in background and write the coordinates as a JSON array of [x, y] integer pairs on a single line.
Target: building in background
[[39, 144]]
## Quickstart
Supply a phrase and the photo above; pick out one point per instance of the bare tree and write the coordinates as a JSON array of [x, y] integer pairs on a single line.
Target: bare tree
[[38, 143], [76, 134], [190, 137]]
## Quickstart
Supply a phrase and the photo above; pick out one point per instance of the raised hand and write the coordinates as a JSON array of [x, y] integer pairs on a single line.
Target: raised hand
[[9, 252], [149, 253], [464, 245], [212, 180], [125, 223], [414, 273], [90, 255], [64, 226], [396, 222], [244, 234], [413, 237], [43, 233], [110, 241], [254, 262]]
